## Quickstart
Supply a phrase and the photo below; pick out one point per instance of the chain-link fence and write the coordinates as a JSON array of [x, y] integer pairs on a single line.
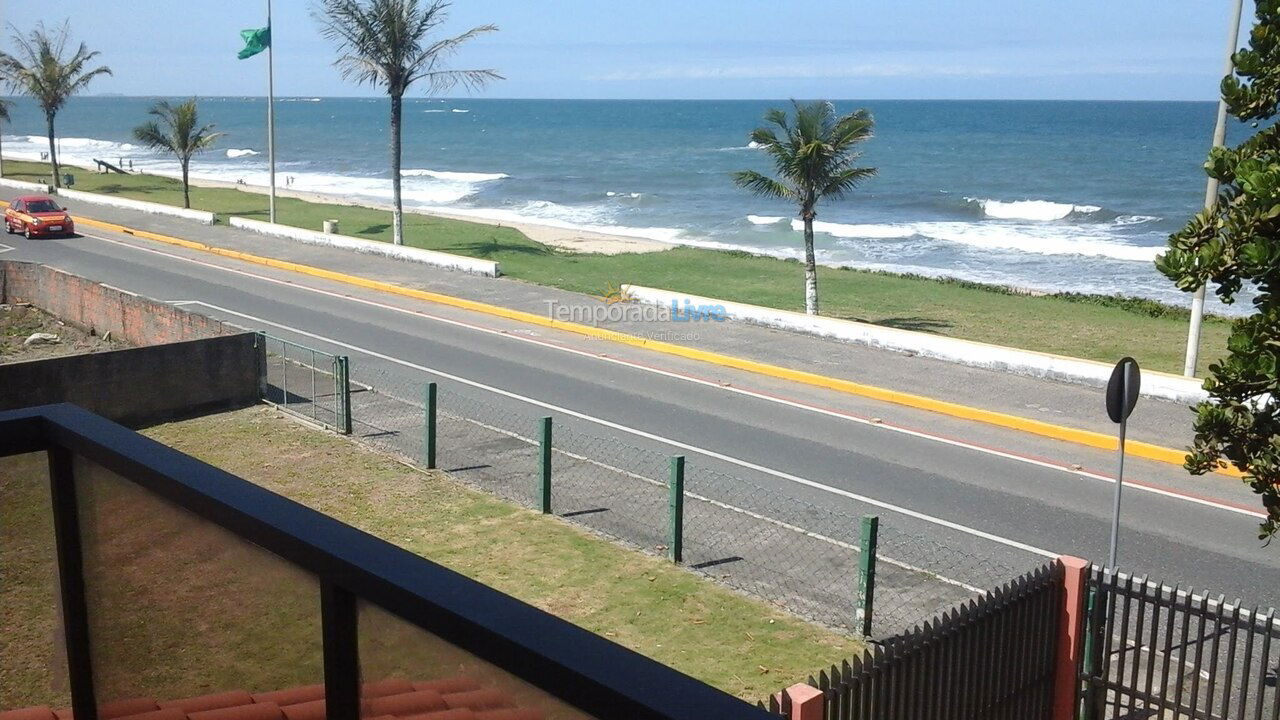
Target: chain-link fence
[[307, 382], [739, 528]]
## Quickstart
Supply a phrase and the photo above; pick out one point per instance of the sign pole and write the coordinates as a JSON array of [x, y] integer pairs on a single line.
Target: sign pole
[[271, 116], [1115, 510], [1211, 196], [1122, 396]]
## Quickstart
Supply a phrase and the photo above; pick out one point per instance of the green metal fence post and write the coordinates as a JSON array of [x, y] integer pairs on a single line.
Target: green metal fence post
[[1093, 702], [675, 503], [429, 427], [867, 571], [546, 465], [342, 382]]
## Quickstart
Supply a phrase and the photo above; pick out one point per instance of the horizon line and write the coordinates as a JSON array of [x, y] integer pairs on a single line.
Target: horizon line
[[639, 99]]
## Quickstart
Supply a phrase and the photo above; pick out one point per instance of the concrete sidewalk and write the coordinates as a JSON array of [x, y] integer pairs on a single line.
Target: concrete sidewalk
[[1074, 406]]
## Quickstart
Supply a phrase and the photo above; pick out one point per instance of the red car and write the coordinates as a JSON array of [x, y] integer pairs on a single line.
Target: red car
[[37, 216]]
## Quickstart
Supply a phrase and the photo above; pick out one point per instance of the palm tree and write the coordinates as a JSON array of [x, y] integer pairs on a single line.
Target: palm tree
[[44, 70], [385, 43], [814, 157], [4, 118], [179, 132]]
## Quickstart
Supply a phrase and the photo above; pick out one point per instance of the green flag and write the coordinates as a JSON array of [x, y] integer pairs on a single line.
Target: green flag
[[255, 41]]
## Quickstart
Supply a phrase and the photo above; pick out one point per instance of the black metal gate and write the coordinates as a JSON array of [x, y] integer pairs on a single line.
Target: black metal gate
[[1158, 652], [987, 659]]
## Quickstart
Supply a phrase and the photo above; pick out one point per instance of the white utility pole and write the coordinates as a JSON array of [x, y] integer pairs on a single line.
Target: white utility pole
[[1211, 193]]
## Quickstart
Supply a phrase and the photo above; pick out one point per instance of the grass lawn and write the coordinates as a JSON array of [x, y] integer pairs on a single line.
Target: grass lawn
[[180, 586], [1094, 327]]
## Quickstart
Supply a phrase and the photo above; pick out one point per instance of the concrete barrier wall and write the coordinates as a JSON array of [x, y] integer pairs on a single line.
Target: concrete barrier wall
[[22, 187], [964, 352], [477, 266], [200, 216], [99, 308], [145, 385]]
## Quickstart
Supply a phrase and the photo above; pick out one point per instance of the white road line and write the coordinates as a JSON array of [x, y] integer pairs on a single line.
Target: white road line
[[5, 248], [649, 436], [721, 386]]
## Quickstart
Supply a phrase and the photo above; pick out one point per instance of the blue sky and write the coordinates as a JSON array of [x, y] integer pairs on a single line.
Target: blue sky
[[1017, 49]]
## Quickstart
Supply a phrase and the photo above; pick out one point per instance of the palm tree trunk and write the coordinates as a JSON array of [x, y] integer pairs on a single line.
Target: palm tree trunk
[[810, 269], [397, 212], [53, 151], [186, 184], [1, 151]]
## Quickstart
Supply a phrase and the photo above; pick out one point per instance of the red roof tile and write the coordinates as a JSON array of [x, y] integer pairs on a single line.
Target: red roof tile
[[292, 696], [409, 703], [32, 713], [210, 702], [458, 683], [255, 711], [482, 699]]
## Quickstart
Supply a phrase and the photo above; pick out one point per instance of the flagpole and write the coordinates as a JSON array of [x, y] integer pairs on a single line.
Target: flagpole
[[1211, 195], [271, 116]]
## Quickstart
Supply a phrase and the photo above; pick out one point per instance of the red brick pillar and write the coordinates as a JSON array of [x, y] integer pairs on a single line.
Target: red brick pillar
[[1071, 627], [801, 702]]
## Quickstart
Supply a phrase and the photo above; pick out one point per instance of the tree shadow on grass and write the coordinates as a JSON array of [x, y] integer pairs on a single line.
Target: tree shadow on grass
[[917, 324], [494, 247], [116, 188], [374, 229]]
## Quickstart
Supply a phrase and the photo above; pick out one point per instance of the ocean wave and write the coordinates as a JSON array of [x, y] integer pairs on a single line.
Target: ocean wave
[[434, 111], [753, 145], [569, 217], [882, 232], [633, 196], [1039, 210], [1134, 219], [456, 176], [1041, 240], [241, 152], [764, 219], [459, 111]]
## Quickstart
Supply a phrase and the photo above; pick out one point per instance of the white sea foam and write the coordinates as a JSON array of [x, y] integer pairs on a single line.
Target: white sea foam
[[764, 219], [883, 232], [584, 218], [1040, 210], [753, 145], [434, 111], [240, 152], [459, 111], [1038, 239], [633, 196], [450, 175], [1134, 219]]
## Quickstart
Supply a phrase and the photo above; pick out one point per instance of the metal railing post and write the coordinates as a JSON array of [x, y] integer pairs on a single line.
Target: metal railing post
[[675, 505], [342, 382], [429, 427], [545, 451], [867, 572]]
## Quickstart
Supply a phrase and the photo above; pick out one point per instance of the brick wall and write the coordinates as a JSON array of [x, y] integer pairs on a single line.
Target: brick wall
[[100, 308]]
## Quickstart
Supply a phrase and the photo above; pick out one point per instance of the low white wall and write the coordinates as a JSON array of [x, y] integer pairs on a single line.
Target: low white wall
[[346, 242], [200, 216], [964, 352], [23, 186]]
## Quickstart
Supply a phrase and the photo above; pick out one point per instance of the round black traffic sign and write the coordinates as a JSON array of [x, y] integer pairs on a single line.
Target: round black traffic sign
[[1122, 390]]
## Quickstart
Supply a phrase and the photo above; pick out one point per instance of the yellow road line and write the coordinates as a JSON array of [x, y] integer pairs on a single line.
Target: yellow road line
[[1088, 438]]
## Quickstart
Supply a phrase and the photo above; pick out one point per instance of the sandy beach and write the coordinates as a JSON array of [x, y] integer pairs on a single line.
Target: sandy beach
[[573, 240]]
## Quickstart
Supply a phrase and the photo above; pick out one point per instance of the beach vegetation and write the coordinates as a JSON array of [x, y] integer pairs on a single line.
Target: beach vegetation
[[1234, 243], [177, 130], [44, 68], [815, 155], [390, 44]]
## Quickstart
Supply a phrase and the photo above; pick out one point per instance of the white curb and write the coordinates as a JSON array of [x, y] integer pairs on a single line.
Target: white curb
[[964, 352], [476, 266]]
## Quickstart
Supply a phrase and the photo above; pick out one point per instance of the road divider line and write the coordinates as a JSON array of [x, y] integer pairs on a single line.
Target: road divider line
[[1148, 451], [651, 436]]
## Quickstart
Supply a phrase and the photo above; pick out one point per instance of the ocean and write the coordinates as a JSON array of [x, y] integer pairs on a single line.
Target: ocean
[[1051, 196]]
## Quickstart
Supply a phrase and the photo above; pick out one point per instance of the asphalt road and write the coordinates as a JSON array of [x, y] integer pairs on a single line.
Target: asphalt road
[[973, 488]]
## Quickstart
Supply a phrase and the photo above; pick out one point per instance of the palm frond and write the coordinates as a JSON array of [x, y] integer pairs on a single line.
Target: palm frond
[[387, 43], [763, 185], [40, 67]]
